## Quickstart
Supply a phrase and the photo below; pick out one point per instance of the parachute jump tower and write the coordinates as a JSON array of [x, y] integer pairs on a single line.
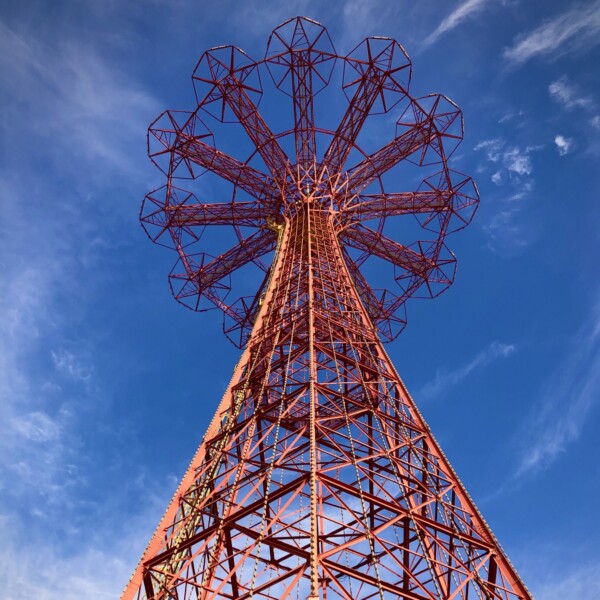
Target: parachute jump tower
[[318, 477]]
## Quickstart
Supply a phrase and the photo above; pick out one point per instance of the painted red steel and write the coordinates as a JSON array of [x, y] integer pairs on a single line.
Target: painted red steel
[[317, 477]]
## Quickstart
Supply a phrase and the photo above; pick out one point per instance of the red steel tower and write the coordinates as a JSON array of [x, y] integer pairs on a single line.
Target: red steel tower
[[318, 477]]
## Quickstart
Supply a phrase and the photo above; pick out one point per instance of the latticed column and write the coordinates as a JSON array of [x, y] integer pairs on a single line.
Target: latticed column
[[318, 477]]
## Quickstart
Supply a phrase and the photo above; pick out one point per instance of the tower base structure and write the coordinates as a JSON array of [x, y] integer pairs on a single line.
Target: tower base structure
[[318, 478]]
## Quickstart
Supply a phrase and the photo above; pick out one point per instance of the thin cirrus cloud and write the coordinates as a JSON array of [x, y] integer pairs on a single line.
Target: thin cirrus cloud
[[511, 169], [581, 582], [260, 17], [567, 95], [71, 365], [571, 98], [71, 97], [445, 379], [38, 432], [465, 10], [576, 29], [567, 399], [46, 573], [67, 108]]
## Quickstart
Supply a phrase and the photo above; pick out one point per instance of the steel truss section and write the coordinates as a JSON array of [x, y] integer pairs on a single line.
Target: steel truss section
[[318, 477]]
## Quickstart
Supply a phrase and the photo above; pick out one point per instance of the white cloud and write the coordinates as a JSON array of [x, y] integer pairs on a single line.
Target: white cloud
[[55, 577], [595, 121], [66, 112], [512, 171], [518, 161], [567, 398], [37, 426], [492, 148], [362, 18], [72, 366], [567, 95], [445, 379], [507, 231], [352, 20], [262, 16], [563, 145], [38, 433], [464, 11], [510, 116], [69, 96], [579, 583], [365, 12], [575, 29], [98, 569], [513, 160]]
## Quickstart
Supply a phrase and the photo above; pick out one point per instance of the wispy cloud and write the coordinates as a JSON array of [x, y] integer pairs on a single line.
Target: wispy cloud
[[512, 159], [493, 148], [73, 366], [511, 169], [37, 426], [67, 94], [518, 161], [262, 16], [507, 234], [445, 379], [351, 20], [47, 572], [497, 177], [563, 144], [367, 13], [465, 10], [567, 94], [44, 461], [32, 276], [38, 439], [576, 29], [72, 125], [510, 115], [567, 398], [579, 583], [66, 108]]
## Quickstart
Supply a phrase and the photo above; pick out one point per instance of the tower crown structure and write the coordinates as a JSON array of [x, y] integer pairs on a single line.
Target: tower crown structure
[[318, 477]]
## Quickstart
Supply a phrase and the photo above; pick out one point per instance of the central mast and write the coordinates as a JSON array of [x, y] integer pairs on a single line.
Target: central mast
[[309, 231]]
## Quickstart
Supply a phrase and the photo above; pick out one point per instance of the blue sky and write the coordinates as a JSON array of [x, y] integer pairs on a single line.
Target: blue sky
[[107, 384]]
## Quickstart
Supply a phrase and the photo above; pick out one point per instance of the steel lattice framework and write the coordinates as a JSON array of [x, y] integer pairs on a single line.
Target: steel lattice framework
[[317, 477]]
